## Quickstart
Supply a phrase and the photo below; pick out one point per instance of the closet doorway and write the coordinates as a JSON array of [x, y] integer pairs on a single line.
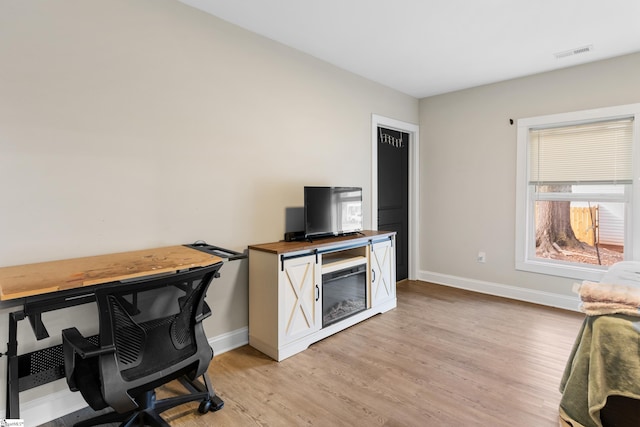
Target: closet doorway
[[394, 188]]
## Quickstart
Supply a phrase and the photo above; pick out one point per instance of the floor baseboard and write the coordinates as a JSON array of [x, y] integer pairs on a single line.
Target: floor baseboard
[[507, 291]]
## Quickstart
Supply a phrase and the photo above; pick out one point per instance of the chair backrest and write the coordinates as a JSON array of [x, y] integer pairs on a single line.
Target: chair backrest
[[155, 327]]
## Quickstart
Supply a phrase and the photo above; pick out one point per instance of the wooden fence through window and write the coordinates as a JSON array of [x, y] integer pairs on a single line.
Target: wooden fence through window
[[585, 224]]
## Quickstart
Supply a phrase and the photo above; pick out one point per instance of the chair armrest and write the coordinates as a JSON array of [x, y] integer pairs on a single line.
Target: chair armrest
[[74, 345], [82, 346], [206, 312]]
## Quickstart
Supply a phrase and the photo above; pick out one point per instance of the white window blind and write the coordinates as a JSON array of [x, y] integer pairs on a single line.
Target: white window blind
[[595, 153]]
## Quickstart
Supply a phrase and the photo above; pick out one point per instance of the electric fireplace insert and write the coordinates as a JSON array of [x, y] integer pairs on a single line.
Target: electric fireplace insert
[[344, 293]]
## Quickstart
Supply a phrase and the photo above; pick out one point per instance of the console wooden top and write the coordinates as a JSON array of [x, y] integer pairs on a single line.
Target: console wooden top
[[282, 247], [40, 278]]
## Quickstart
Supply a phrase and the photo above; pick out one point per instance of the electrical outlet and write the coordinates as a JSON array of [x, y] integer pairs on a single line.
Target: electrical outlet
[[482, 257]]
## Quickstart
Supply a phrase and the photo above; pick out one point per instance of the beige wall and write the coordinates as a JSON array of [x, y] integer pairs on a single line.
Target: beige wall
[[135, 124], [126, 125], [468, 169]]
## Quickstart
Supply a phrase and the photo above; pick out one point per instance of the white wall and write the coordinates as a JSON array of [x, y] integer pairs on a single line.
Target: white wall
[[135, 124], [468, 173]]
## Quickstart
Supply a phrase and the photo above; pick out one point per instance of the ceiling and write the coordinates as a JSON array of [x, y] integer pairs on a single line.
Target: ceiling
[[429, 47]]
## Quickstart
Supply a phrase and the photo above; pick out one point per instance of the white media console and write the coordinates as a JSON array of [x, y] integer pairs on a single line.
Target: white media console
[[301, 292]]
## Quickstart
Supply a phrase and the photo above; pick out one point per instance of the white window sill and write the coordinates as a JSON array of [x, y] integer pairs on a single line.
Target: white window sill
[[561, 269]]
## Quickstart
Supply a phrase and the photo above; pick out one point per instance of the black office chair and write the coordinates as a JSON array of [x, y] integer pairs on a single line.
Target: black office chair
[[150, 334]]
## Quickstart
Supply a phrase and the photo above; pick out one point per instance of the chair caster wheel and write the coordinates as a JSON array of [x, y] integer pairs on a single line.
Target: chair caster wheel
[[204, 407]]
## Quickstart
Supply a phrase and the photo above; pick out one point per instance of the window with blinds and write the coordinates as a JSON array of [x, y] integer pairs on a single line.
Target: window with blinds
[[576, 190], [595, 153]]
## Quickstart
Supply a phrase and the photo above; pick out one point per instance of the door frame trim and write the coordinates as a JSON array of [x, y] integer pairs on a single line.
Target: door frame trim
[[414, 175]]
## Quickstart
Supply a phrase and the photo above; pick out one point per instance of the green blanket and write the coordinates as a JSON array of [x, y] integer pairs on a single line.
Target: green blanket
[[605, 361]]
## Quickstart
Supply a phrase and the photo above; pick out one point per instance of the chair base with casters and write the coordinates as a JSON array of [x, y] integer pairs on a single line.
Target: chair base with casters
[[149, 409], [150, 335]]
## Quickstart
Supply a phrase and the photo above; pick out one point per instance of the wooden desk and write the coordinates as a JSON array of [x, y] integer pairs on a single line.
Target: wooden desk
[[46, 277], [49, 286]]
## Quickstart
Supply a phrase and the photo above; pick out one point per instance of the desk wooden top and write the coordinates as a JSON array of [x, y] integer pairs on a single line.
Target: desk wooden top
[[40, 278]]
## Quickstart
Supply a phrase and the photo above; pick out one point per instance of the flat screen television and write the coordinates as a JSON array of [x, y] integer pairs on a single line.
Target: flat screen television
[[332, 211]]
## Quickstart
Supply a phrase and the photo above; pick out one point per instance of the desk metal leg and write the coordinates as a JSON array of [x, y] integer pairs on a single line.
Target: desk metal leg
[[13, 400], [41, 366]]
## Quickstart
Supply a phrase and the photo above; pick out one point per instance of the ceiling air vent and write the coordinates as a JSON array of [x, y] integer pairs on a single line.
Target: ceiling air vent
[[576, 51]]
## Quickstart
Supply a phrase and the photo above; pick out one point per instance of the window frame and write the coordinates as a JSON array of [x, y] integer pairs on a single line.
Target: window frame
[[525, 228]]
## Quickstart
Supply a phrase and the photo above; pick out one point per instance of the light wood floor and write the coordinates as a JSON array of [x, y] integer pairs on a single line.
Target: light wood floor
[[444, 357]]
